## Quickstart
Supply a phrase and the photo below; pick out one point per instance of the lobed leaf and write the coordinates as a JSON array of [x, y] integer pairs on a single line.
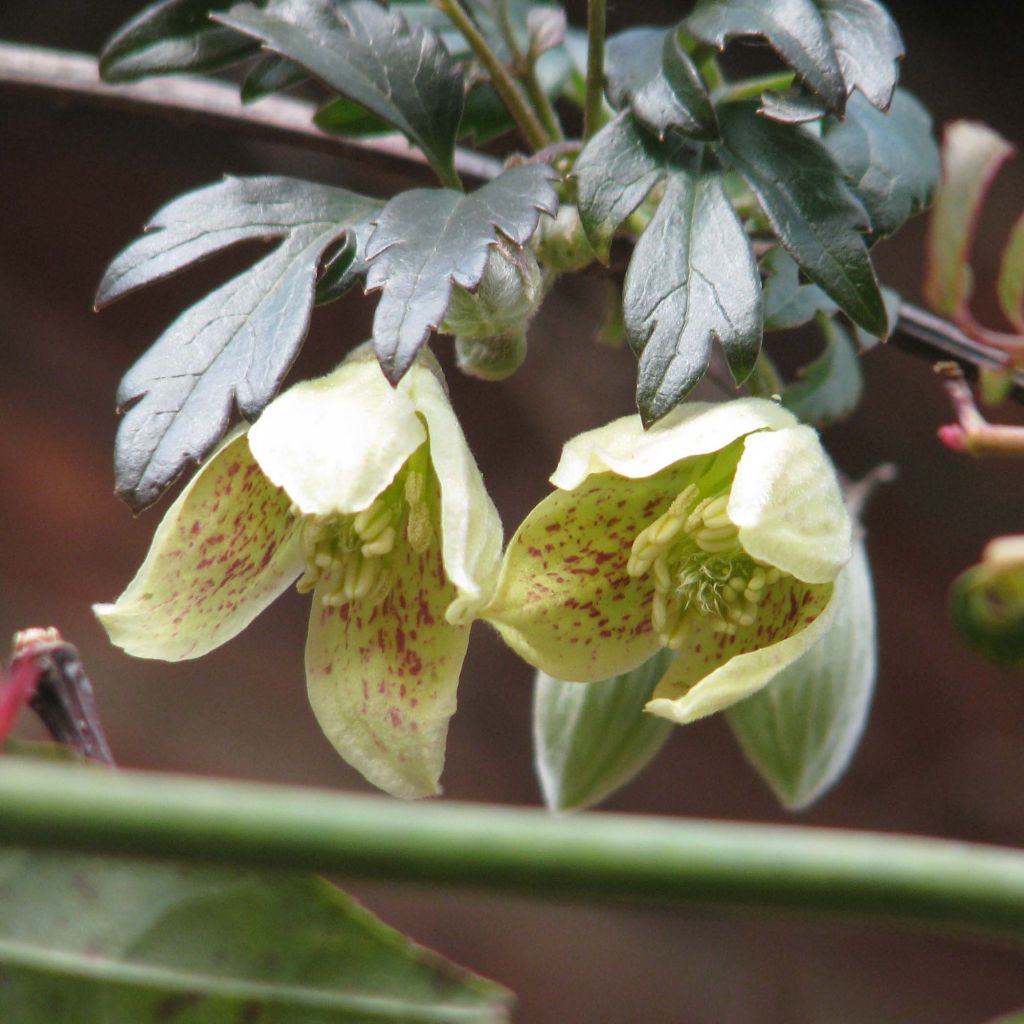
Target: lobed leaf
[[238, 342], [97, 940], [648, 71], [812, 212], [426, 240], [890, 160], [371, 55], [271, 74], [801, 730], [788, 301], [171, 36], [830, 387], [590, 739], [692, 278]]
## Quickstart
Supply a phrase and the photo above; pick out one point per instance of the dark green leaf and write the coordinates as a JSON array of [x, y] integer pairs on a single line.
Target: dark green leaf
[[89, 940], [173, 35], [788, 302], [238, 342], [810, 208], [830, 387], [868, 45], [795, 29], [616, 170], [340, 116], [791, 107], [649, 71], [369, 54], [271, 74], [892, 301], [428, 239], [835, 46], [692, 278], [801, 730], [590, 739], [890, 160]]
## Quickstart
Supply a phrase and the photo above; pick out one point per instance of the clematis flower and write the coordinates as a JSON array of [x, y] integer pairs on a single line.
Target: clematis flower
[[718, 533], [368, 495]]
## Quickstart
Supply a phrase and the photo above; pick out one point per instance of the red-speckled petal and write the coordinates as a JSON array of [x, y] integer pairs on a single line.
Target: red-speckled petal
[[225, 549], [382, 679], [564, 601], [713, 670]]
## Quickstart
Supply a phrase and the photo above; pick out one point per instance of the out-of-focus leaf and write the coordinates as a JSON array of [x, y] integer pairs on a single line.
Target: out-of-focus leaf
[[271, 74], [810, 209], [792, 107], [890, 160], [830, 387], [648, 70], [972, 154], [801, 730], [892, 300], [987, 603], [692, 278], [616, 170], [426, 240], [93, 940], [236, 344], [371, 55], [590, 739], [1010, 285], [835, 46], [171, 36], [789, 302]]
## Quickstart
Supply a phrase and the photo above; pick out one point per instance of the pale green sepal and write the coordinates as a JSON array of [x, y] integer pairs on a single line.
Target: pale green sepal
[[335, 443], [694, 428], [591, 739], [382, 678], [801, 730], [471, 534], [225, 549], [786, 502], [714, 670]]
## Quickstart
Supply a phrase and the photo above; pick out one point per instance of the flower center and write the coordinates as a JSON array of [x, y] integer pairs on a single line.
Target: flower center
[[699, 566], [352, 554]]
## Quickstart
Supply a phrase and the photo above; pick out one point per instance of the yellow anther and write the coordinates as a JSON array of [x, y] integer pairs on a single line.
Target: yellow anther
[[659, 612], [366, 578], [738, 584], [415, 485], [381, 545], [666, 528], [715, 507], [757, 579], [350, 577], [730, 595], [715, 545], [369, 526], [418, 530], [662, 576]]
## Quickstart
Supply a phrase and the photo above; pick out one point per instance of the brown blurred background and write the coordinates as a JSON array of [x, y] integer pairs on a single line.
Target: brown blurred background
[[944, 751]]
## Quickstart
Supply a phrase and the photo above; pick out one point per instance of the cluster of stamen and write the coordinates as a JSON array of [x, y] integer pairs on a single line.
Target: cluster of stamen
[[699, 565], [351, 553]]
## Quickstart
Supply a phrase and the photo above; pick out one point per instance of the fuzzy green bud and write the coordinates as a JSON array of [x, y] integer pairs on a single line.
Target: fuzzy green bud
[[491, 358], [561, 242]]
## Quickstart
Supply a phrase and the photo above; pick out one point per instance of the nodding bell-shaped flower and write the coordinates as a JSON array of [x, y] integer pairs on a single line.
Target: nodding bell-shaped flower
[[717, 533], [369, 496]]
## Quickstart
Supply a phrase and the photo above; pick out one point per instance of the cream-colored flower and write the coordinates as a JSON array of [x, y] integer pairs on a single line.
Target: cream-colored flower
[[370, 496]]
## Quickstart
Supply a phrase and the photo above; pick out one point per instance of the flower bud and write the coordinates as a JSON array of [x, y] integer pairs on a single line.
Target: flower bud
[[491, 358], [561, 243]]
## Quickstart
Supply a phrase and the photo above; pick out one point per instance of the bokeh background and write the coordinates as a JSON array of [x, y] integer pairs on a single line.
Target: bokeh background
[[944, 751]]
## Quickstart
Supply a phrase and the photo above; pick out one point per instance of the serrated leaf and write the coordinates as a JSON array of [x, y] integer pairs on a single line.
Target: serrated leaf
[[800, 732], [794, 106], [93, 940], [812, 212], [692, 278], [236, 344], [890, 160], [830, 387], [426, 240], [590, 739], [789, 302], [271, 74], [835, 46], [171, 36], [795, 29], [616, 170], [972, 154], [371, 55], [1010, 284], [648, 70]]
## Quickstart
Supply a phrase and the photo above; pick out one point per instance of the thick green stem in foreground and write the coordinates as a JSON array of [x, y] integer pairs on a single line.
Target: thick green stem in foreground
[[953, 886], [595, 68]]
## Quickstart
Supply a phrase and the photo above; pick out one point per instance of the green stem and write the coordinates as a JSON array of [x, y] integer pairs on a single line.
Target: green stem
[[752, 88], [539, 99], [962, 887], [595, 68], [505, 85]]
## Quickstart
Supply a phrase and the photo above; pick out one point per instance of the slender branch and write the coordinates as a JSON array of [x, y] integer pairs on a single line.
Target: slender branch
[[504, 84], [595, 67], [216, 104], [972, 433], [969, 889]]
